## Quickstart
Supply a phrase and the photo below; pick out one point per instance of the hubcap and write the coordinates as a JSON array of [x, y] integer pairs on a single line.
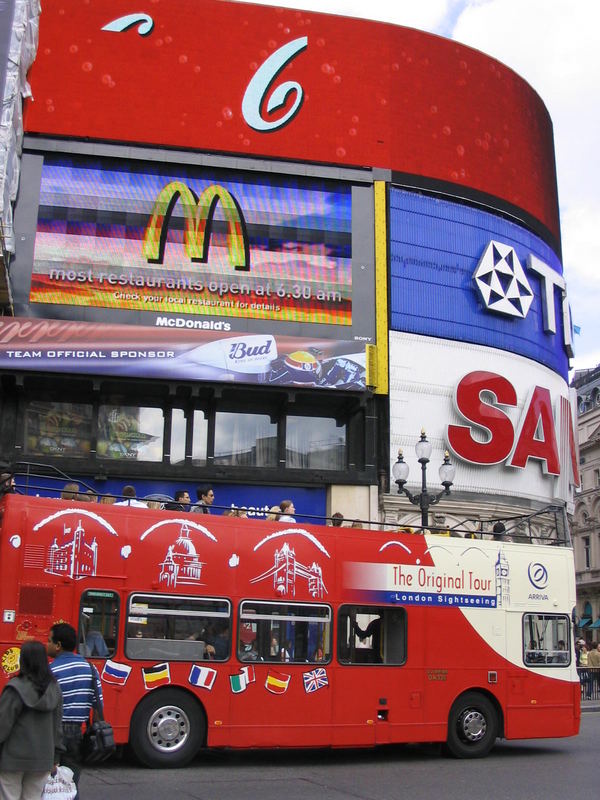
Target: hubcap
[[168, 729], [473, 725]]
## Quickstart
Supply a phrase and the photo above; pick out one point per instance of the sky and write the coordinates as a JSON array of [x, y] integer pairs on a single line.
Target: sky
[[553, 45]]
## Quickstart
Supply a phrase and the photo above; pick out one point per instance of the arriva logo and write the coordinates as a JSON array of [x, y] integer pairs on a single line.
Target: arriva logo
[[199, 214], [538, 575], [261, 83]]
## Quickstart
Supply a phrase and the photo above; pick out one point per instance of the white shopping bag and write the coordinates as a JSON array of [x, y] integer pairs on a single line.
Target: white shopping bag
[[60, 786]]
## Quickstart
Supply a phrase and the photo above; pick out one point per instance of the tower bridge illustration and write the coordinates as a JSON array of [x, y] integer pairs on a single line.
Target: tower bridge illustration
[[181, 563], [74, 557], [286, 570]]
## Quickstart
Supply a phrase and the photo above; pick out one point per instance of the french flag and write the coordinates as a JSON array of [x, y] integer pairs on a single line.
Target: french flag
[[203, 677], [115, 673]]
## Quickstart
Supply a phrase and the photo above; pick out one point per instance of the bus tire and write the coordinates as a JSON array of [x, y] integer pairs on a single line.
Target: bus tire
[[472, 726], [167, 729]]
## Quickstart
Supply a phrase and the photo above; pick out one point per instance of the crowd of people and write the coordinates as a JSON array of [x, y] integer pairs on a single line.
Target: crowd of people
[[283, 512]]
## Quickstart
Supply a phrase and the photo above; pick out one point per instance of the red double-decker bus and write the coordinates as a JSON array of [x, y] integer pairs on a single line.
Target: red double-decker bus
[[223, 632]]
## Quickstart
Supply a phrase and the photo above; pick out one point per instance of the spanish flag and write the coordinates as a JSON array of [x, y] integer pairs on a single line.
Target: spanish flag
[[277, 682], [158, 675]]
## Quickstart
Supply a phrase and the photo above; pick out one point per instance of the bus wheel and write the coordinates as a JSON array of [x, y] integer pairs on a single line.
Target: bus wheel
[[167, 729], [472, 726]]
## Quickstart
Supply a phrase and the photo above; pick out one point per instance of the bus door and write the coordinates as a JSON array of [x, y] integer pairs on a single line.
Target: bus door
[[281, 692], [374, 696]]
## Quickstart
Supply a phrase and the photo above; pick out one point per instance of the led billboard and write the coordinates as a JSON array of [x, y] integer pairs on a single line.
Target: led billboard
[[460, 273], [139, 236]]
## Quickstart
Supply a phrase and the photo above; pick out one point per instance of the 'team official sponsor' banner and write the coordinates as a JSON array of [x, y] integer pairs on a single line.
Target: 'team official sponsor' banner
[[176, 352]]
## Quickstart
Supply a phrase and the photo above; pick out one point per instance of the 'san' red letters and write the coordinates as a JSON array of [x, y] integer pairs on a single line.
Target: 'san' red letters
[[484, 415]]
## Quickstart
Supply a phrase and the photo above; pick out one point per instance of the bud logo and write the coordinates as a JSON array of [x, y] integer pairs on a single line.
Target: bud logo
[[538, 575], [198, 219], [240, 350]]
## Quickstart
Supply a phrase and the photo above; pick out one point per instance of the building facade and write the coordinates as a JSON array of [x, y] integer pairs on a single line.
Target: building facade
[[270, 272], [586, 521]]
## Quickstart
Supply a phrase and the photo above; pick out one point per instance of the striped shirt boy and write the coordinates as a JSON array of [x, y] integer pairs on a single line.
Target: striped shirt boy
[[74, 676]]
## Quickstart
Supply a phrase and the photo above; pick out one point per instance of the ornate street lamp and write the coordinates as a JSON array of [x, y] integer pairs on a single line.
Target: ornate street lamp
[[424, 500]]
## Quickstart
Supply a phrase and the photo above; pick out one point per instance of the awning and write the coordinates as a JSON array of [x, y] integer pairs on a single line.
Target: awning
[[583, 622], [596, 624]]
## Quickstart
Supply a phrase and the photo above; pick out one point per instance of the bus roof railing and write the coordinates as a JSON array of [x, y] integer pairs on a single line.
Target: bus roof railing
[[547, 525]]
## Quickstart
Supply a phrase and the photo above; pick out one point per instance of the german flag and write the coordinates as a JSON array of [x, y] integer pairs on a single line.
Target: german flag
[[158, 675]]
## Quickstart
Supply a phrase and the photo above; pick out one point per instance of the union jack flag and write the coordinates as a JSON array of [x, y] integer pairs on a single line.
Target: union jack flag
[[316, 679]]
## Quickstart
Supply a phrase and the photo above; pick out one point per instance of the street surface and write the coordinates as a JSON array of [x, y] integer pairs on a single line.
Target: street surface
[[551, 769]]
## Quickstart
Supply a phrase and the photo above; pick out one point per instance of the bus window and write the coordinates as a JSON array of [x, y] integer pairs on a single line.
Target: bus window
[[546, 640], [178, 628], [284, 632], [371, 635], [98, 623]]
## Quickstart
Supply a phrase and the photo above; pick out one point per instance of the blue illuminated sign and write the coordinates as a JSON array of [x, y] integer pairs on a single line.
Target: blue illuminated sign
[[463, 274]]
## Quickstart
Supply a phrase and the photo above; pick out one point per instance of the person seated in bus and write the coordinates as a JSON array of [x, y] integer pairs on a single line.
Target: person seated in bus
[[561, 657], [95, 646], [70, 491], [217, 646], [287, 510], [251, 654], [285, 654], [7, 483], [318, 655]]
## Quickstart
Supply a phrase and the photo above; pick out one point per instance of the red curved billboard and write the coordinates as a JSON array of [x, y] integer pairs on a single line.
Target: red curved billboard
[[234, 78]]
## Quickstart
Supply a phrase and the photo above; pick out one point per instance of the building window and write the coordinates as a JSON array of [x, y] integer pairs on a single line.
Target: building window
[[130, 433], [57, 429], [587, 558], [178, 434], [597, 477], [199, 439], [248, 440], [315, 443]]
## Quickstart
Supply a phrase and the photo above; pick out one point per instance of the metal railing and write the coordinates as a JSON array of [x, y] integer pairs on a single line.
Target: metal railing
[[590, 682]]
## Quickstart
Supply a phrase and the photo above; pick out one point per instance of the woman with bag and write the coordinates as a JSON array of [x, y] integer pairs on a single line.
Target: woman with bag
[[30, 726]]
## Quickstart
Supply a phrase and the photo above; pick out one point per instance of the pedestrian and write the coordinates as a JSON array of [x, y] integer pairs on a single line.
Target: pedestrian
[[287, 509], [206, 497], [30, 726], [76, 679]]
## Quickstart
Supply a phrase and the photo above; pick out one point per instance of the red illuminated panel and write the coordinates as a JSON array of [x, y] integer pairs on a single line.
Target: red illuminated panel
[[201, 75]]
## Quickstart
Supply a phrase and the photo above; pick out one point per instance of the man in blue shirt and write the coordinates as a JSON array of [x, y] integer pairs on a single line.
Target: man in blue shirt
[[76, 678]]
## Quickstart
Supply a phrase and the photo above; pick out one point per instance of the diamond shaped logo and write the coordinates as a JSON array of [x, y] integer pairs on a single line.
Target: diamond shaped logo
[[501, 281]]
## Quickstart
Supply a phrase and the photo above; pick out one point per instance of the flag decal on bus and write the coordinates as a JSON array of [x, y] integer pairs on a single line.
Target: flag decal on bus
[[277, 682], [240, 680], [114, 673], [315, 679], [202, 677], [158, 675]]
